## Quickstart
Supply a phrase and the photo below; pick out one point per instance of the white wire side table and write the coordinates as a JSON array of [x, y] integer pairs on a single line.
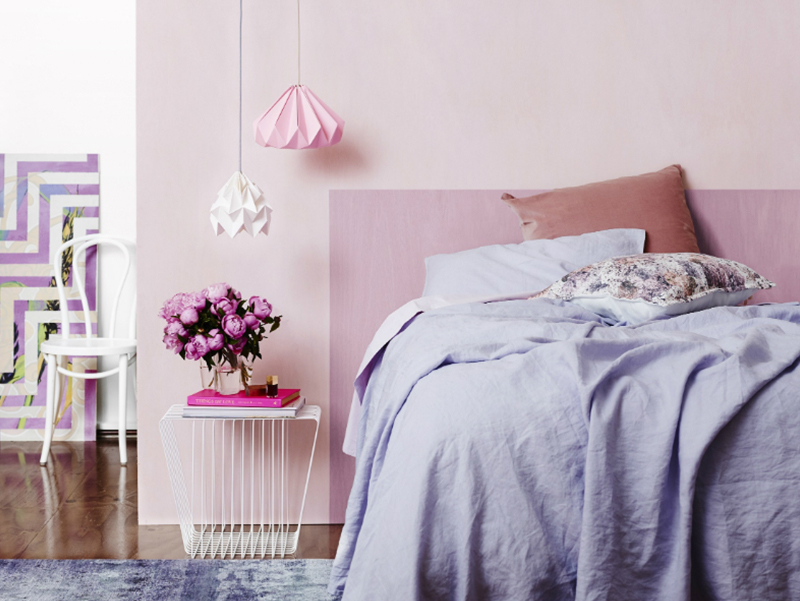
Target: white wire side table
[[233, 489]]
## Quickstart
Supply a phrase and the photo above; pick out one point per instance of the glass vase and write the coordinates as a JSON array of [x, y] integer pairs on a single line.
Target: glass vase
[[207, 377], [224, 379], [228, 380]]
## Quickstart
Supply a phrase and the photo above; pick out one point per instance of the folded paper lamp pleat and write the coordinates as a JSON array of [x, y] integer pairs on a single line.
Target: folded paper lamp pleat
[[298, 119], [240, 206]]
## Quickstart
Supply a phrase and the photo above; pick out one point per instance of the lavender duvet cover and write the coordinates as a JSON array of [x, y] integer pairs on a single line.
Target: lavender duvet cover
[[528, 450]]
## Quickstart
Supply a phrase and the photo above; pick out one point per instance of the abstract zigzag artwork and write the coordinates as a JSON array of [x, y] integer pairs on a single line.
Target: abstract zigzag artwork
[[47, 199]]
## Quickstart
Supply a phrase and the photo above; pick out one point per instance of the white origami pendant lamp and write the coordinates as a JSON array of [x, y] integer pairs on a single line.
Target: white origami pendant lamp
[[298, 119], [240, 205]]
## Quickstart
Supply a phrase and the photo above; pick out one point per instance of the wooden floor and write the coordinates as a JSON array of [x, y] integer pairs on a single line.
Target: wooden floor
[[83, 505]]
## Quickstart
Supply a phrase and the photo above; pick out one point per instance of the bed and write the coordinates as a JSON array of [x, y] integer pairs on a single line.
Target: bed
[[525, 449]]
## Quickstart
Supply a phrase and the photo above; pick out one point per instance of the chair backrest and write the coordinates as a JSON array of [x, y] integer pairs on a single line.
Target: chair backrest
[[81, 244]]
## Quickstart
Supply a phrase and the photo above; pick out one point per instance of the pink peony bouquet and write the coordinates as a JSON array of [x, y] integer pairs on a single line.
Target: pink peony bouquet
[[216, 325]]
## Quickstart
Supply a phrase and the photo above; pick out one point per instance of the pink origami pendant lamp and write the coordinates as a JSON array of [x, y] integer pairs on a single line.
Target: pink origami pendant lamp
[[298, 119]]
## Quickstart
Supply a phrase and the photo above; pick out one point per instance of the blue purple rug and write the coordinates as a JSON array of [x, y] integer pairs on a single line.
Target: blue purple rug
[[164, 580]]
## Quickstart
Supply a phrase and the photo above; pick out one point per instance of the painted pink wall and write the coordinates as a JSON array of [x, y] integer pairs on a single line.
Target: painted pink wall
[[442, 95]]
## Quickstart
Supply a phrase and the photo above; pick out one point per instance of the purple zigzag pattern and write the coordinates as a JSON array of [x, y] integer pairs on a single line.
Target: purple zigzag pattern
[[42, 256], [45, 192], [26, 167]]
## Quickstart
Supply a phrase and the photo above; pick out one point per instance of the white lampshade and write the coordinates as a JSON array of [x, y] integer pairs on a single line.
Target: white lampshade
[[240, 206]]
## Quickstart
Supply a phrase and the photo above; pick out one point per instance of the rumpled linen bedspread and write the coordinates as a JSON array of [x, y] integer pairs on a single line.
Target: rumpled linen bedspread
[[527, 450]]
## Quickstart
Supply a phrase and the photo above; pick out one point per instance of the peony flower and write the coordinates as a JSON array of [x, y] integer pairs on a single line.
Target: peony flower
[[235, 294], [237, 346], [179, 302], [173, 306], [223, 307], [196, 348], [189, 316], [233, 326], [196, 300], [251, 321], [191, 351], [174, 326], [201, 344], [216, 292], [260, 307], [216, 340], [173, 342]]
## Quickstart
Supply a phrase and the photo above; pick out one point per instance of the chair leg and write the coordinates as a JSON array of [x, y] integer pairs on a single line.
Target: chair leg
[[60, 361], [49, 412], [123, 409], [135, 382]]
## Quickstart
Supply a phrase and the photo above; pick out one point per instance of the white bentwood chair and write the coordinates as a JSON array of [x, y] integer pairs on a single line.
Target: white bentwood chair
[[57, 349]]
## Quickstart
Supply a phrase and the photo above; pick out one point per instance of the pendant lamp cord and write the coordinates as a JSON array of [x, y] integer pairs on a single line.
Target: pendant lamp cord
[[298, 42], [240, 86]]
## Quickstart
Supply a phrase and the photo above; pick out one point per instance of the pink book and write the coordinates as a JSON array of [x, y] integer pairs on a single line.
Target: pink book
[[210, 398]]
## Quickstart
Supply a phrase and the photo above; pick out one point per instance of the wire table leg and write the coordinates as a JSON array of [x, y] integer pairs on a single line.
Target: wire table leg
[[220, 516]]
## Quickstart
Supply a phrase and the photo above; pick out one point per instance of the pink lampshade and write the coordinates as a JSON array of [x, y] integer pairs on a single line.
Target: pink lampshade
[[298, 119]]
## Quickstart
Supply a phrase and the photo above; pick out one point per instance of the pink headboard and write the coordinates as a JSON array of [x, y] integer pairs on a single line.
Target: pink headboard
[[379, 240]]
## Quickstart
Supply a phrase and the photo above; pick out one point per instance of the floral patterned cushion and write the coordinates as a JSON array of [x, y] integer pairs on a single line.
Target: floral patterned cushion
[[680, 282]]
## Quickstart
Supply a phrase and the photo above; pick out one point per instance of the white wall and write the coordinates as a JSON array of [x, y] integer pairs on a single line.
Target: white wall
[[68, 85]]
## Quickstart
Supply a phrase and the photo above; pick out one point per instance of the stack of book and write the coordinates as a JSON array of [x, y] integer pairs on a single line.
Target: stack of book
[[208, 403]]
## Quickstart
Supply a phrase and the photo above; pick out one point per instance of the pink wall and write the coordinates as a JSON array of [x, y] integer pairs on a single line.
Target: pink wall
[[505, 94]]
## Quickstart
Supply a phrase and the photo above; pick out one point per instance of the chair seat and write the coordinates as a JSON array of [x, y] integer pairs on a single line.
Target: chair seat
[[89, 347]]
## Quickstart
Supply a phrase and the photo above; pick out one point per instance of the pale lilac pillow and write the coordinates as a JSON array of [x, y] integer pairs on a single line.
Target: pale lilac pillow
[[638, 288], [527, 267]]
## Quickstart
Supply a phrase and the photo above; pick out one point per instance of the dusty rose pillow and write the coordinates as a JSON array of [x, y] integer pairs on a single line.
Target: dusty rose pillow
[[654, 202]]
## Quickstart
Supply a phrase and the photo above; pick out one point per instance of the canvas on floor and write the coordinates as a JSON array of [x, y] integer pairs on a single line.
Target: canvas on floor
[[47, 199]]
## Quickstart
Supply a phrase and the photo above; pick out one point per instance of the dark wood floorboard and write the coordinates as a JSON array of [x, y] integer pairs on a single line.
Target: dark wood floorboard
[[83, 505]]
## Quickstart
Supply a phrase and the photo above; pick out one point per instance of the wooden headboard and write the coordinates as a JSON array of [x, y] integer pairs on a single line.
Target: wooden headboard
[[379, 240]]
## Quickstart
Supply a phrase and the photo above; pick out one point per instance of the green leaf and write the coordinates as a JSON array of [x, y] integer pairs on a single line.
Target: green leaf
[[19, 370], [42, 333]]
